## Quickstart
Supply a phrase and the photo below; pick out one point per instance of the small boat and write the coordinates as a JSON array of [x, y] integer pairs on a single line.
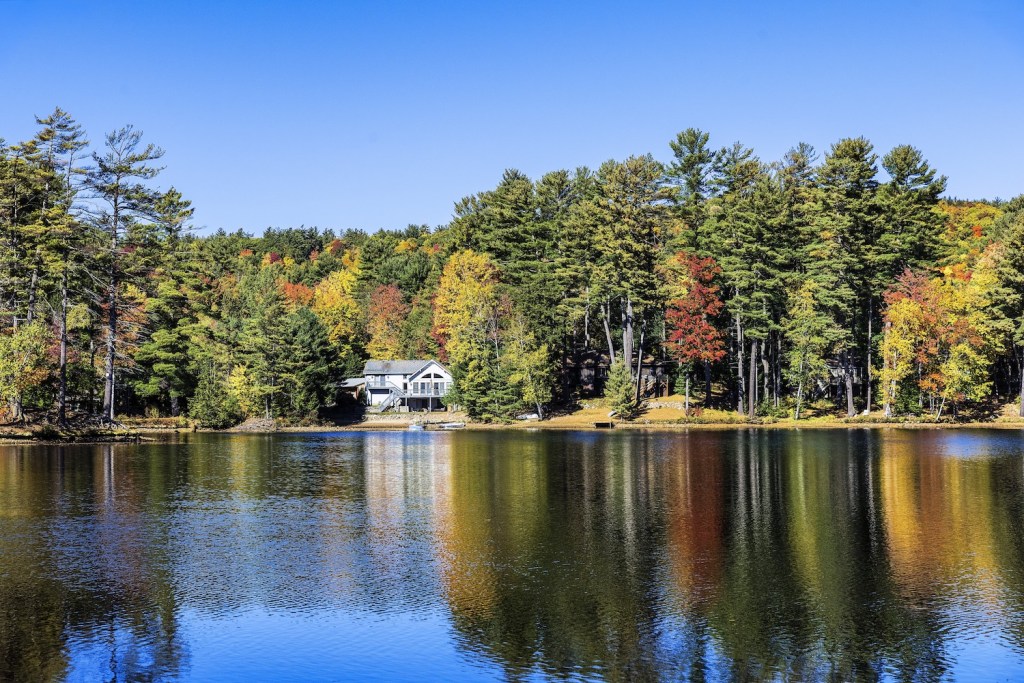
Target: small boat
[[451, 425], [415, 428]]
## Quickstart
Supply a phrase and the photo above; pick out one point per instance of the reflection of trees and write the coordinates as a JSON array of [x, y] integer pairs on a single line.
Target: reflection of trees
[[742, 554], [547, 559], [31, 623], [81, 568], [953, 513], [777, 556]]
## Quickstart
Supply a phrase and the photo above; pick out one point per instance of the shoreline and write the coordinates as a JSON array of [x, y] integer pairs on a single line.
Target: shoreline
[[146, 434]]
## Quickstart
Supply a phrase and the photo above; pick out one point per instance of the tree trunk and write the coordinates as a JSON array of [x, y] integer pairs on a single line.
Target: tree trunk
[[867, 393], [766, 368], [848, 372], [92, 385], [741, 389], [175, 406], [686, 408], [752, 378], [108, 364], [799, 389], [627, 336], [586, 322], [1021, 411], [778, 370], [33, 283], [62, 385], [707, 384], [639, 364], [606, 319]]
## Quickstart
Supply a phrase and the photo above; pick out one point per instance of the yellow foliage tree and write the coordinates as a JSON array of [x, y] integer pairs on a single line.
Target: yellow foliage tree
[[466, 305], [334, 303], [22, 363], [904, 329]]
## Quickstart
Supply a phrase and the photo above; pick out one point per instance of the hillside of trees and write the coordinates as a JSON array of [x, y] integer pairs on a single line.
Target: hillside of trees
[[841, 279]]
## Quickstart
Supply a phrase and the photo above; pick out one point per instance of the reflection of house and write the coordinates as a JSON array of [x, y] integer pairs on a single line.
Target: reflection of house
[[405, 384]]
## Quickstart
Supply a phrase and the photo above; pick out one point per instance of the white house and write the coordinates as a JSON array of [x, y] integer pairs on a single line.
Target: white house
[[406, 384]]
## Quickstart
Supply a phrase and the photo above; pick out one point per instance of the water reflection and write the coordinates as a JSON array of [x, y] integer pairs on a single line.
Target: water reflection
[[848, 555]]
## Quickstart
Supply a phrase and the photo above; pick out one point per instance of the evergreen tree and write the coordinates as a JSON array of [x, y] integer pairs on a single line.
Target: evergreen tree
[[618, 391], [847, 229], [117, 185], [309, 365], [212, 406], [1009, 299]]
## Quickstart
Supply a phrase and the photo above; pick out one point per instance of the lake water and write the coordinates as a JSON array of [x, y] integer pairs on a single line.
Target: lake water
[[711, 555]]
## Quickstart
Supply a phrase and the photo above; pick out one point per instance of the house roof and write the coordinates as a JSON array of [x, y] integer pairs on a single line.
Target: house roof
[[395, 367]]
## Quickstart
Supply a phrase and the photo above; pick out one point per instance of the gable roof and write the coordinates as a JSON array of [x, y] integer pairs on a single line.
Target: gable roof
[[426, 366], [394, 367]]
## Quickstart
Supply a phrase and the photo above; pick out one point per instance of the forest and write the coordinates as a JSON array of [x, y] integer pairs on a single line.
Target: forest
[[844, 282]]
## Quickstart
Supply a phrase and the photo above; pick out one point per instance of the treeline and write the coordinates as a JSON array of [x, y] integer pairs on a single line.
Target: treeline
[[763, 286]]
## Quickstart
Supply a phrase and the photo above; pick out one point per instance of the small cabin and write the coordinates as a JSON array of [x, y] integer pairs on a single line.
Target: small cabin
[[405, 385]]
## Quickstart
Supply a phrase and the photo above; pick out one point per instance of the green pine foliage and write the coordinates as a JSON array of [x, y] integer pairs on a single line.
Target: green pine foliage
[[619, 391], [212, 406]]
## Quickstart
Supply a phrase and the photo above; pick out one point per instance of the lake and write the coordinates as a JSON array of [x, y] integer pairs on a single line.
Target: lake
[[512, 555]]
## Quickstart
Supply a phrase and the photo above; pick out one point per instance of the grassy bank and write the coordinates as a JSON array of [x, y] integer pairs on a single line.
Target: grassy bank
[[665, 415]]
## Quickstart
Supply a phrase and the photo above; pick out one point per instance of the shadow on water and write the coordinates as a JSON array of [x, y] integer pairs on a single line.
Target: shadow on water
[[709, 555]]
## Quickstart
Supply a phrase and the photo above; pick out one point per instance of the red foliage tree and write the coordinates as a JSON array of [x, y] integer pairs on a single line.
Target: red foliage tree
[[692, 336], [298, 294]]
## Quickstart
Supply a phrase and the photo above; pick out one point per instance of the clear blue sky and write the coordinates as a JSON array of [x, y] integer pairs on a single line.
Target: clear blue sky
[[374, 114]]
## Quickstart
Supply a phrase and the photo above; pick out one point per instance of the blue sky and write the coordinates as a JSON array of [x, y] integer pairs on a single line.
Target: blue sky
[[369, 115]]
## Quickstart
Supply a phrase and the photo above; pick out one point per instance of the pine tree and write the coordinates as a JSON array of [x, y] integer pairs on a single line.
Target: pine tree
[[117, 185], [627, 216], [811, 333], [163, 357], [619, 393], [64, 143], [212, 406], [309, 365], [1010, 271], [846, 228]]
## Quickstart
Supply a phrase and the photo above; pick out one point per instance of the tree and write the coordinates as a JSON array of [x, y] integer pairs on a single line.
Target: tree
[[910, 223], [1009, 269], [691, 173], [626, 217], [22, 363], [334, 303], [693, 303], [811, 333], [529, 364], [385, 315], [124, 205], [618, 391], [163, 357], [846, 230], [903, 332], [467, 321], [309, 366], [941, 326], [212, 406], [64, 143], [465, 306]]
